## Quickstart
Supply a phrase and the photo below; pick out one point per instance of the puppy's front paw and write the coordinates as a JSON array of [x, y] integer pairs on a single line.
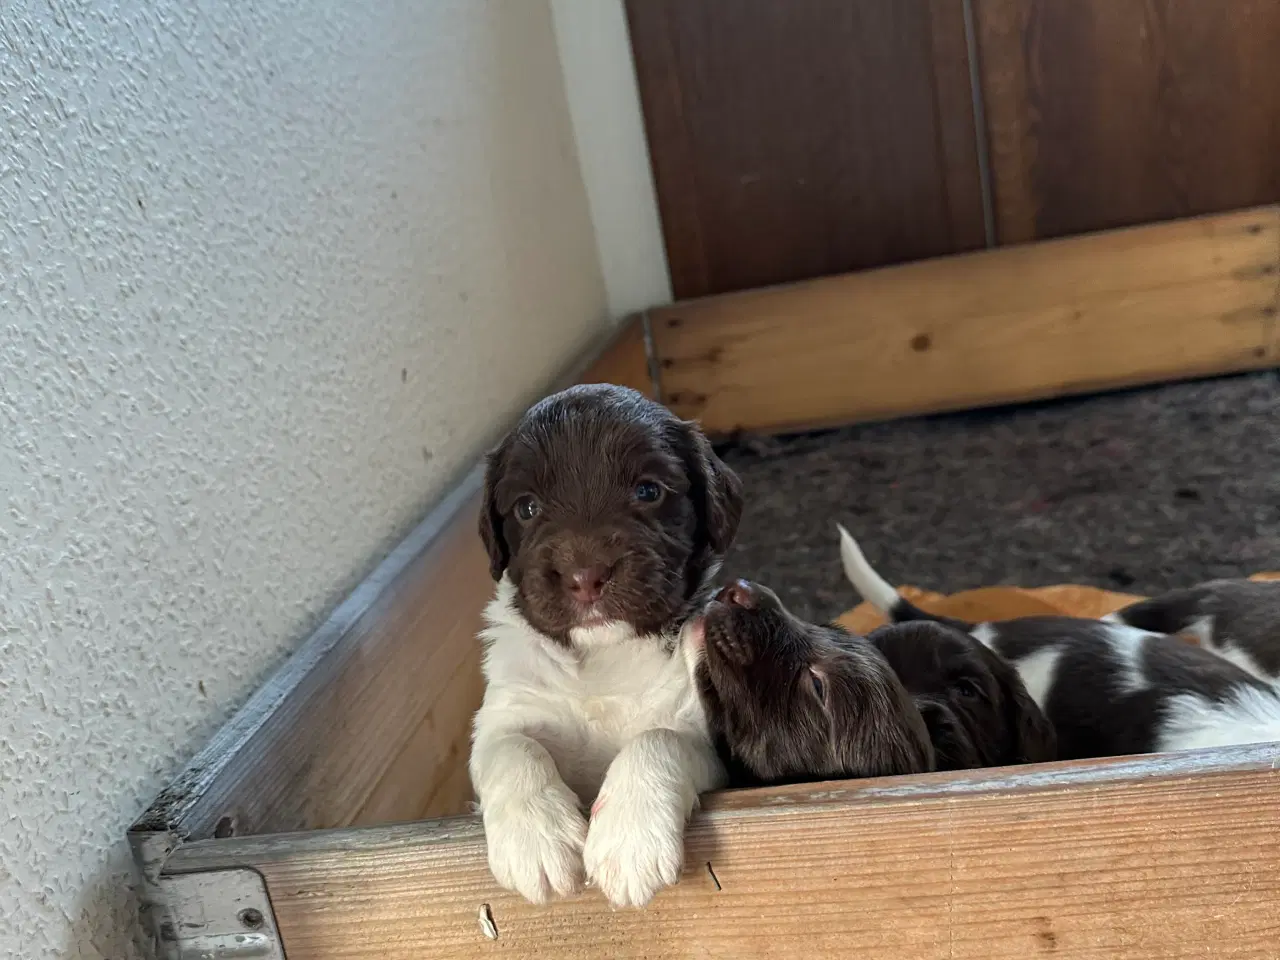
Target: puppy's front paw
[[635, 847], [535, 843]]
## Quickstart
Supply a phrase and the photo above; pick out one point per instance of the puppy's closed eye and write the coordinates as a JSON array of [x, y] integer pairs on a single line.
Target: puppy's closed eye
[[968, 688], [818, 684]]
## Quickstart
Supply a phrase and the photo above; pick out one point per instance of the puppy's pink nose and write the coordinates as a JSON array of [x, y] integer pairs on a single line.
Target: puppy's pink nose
[[738, 594], [586, 586]]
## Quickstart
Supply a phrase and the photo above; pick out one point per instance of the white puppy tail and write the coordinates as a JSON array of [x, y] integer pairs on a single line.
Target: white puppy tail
[[881, 594], [873, 588]]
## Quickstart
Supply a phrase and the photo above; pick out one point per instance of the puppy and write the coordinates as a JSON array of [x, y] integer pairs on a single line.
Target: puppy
[[1237, 619], [1109, 689], [973, 702], [605, 518], [792, 701]]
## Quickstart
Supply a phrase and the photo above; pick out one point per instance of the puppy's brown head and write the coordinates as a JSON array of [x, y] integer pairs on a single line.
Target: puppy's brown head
[[604, 508], [796, 701], [978, 712]]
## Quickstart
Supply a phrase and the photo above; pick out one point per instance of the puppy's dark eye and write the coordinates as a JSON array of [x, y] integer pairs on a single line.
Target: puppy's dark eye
[[969, 689], [526, 509], [647, 491], [818, 681]]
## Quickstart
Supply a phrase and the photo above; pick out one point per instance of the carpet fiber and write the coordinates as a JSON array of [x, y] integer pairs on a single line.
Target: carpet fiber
[[1138, 491]]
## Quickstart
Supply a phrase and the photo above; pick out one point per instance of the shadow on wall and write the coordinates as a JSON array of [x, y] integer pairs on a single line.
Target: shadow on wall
[[107, 908]]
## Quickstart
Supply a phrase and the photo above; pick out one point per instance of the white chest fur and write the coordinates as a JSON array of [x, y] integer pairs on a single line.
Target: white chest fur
[[584, 704]]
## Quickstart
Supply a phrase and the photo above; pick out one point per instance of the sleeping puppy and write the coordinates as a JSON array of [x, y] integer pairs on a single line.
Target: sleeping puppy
[[1109, 689], [605, 518], [977, 710], [1237, 619], [792, 701]]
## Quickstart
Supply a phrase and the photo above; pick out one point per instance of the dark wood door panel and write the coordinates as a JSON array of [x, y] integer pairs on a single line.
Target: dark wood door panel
[[808, 137], [1106, 113]]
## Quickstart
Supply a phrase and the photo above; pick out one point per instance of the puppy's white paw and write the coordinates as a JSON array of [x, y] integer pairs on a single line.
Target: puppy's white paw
[[635, 846], [535, 843]]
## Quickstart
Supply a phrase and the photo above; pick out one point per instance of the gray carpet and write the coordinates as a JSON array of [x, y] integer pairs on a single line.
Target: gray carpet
[[1141, 491]]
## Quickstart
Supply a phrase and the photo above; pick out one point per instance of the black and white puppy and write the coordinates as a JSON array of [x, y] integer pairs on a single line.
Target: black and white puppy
[[973, 702], [605, 518], [1109, 689], [1238, 620], [792, 701]]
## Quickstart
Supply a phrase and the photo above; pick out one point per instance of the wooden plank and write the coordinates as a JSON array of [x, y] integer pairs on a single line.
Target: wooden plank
[[801, 139], [369, 721], [624, 361], [453, 793], [420, 781], [1157, 857], [1107, 113], [1184, 299]]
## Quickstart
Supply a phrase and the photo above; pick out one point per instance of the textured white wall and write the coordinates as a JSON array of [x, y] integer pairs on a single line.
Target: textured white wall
[[271, 272], [604, 102]]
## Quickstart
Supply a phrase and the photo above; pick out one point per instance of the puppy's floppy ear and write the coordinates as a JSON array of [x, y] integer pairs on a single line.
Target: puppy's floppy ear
[[490, 519], [1033, 736], [716, 489]]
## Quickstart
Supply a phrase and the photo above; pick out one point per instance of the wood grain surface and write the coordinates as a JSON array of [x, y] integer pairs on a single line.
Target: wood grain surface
[[1106, 113], [624, 360], [1147, 304], [806, 138], [1129, 859]]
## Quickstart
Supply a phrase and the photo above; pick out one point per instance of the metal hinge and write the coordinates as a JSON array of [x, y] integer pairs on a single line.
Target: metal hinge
[[222, 915]]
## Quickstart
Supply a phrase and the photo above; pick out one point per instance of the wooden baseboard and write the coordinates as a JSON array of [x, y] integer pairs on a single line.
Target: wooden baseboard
[[1169, 856], [1176, 300]]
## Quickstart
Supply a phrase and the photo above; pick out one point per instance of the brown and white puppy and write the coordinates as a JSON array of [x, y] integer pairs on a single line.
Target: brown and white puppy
[[1109, 689], [978, 711], [792, 701], [605, 518], [1239, 620]]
